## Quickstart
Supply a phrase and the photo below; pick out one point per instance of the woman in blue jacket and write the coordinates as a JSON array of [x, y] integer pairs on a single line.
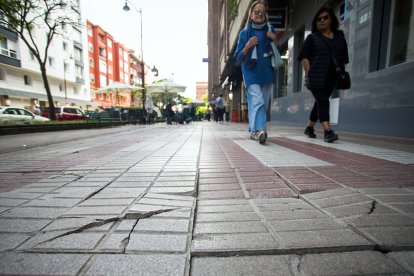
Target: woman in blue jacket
[[254, 51]]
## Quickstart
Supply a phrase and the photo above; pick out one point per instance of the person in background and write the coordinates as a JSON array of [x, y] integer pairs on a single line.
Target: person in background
[[255, 50], [220, 108], [169, 113], [316, 54], [36, 110]]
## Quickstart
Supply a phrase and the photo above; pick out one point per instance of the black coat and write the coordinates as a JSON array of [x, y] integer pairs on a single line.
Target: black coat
[[317, 49]]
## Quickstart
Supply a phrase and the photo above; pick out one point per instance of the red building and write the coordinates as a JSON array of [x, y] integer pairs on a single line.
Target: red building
[[201, 89], [108, 62]]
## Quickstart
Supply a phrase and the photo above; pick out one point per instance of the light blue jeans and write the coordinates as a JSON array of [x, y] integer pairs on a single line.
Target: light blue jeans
[[258, 97]]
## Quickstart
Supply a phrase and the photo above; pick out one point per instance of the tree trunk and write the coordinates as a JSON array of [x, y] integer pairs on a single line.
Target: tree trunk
[[52, 115]]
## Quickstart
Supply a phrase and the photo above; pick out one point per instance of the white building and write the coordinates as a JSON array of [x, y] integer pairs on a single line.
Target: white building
[[21, 82]]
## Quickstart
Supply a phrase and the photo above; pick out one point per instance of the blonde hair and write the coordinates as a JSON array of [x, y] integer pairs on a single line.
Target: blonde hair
[[254, 4]]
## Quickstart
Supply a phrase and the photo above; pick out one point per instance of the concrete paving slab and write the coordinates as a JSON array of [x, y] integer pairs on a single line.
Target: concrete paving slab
[[160, 243], [34, 212], [75, 242], [163, 225], [241, 265], [10, 241], [305, 224], [223, 217], [14, 225], [341, 239], [229, 227], [95, 210], [392, 237], [348, 263], [11, 202], [42, 264], [247, 242], [115, 264], [293, 214], [404, 258]]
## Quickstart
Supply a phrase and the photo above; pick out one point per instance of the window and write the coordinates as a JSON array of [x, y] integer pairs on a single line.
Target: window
[[27, 80], [60, 87], [102, 66], [8, 48], [109, 56], [32, 57], [92, 77], [392, 41], [65, 46], [91, 63], [51, 61], [78, 54], [79, 72], [90, 46], [402, 41], [90, 32]]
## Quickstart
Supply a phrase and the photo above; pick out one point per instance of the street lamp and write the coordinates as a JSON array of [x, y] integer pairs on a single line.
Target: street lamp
[[127, 8]]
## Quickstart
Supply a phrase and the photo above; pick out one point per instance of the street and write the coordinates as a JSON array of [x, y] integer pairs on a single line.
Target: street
[[204, 199]]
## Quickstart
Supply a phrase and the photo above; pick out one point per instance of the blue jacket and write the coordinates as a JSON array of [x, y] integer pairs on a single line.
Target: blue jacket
[[262, 72]]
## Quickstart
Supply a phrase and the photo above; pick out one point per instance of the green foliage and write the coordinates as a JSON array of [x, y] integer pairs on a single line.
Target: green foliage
[[232, 9]]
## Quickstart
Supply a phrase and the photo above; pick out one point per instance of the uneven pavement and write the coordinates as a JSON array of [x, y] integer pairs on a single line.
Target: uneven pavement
[[203, 199]]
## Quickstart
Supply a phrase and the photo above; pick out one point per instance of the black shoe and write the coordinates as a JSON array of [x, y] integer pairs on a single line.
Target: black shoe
[[310, 132], [330, 136]]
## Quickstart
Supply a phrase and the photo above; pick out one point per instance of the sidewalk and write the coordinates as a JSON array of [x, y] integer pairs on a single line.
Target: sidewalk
[[203, 199]]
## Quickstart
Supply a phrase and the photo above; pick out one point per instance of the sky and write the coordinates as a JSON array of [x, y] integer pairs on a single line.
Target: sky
[[174, 34]]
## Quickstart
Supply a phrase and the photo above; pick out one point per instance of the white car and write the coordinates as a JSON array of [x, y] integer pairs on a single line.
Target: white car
[[17, 114]]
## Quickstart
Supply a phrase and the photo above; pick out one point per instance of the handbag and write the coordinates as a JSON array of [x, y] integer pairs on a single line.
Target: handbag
[[343, 79]]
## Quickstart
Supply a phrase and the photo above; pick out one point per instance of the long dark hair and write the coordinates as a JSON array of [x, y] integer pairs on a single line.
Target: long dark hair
[[334, 20]]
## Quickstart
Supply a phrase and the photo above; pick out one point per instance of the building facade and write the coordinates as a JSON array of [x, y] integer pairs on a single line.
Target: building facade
[[21, 83], [380, 36], [201, 89]]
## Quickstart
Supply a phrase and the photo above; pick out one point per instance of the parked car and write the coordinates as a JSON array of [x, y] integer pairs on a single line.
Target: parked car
[[17, 114], [66, 113]]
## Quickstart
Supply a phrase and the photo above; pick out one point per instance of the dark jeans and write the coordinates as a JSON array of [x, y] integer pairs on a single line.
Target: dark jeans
[[220, 113], [320, 110]]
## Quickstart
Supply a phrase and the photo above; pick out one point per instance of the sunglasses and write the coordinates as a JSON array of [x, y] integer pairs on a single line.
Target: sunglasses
[[323, 18], [259, 12]]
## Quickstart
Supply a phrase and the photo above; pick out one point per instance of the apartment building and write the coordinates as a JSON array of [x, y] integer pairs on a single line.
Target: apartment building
[[21, 83], [201, 89], [380, 36], [108, 62]]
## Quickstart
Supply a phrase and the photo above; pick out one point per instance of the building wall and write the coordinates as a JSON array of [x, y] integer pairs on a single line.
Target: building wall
[[381, 100], [201, 90], [22, 84]]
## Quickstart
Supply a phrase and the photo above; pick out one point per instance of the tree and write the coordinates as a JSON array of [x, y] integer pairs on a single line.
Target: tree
[[52, 16]]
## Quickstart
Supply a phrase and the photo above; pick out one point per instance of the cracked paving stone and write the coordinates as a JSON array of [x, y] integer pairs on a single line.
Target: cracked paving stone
[[75, 241], [163, 225]]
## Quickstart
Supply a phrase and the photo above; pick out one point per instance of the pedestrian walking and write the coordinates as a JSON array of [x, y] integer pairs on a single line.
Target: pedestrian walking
[[169, 113], [220, 108], [324, 47], [255, 51]]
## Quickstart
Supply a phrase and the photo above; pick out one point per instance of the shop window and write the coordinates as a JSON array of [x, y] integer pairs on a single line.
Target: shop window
[[392, 41]]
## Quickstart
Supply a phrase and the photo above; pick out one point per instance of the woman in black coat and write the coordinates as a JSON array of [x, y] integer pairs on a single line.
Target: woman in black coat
[[320, 74]]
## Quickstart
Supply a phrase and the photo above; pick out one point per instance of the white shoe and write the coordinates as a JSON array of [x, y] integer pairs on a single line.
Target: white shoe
[[253, 135]]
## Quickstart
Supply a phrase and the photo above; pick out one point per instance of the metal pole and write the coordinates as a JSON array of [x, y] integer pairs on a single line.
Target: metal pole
[[142, 67]]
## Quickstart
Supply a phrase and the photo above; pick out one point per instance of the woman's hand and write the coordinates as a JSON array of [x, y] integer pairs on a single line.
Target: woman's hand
[[250, 43], [271, 35]]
